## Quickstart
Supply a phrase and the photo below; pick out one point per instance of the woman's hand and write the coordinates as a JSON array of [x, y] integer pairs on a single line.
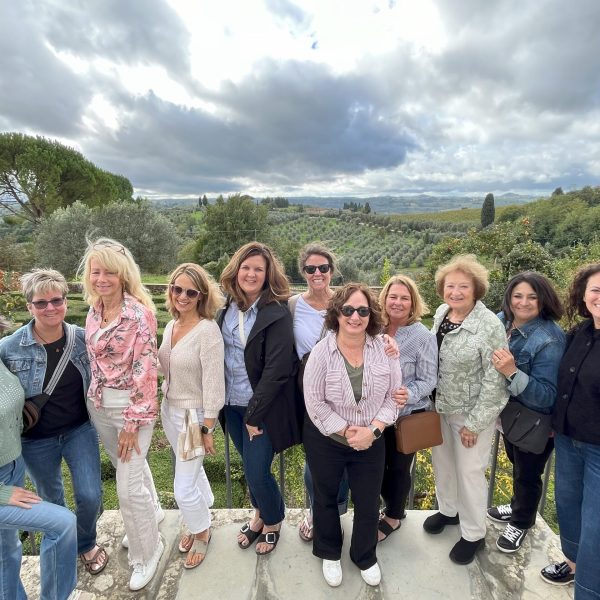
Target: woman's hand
[[128, 443], [467, 437], [209, 443], [400, 396], [504, 362], [359, 438], [23, 498], [390, 346], [253, 431]]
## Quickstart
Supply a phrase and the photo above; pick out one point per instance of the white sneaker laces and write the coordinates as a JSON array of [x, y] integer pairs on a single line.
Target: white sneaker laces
[[504, 509], [512, 533]]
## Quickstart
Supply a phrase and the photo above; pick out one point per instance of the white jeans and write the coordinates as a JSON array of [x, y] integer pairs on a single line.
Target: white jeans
[[135, 487], [192, 489], [460, 483]]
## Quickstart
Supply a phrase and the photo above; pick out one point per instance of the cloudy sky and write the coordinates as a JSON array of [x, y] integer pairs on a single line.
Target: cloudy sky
[[311, 97]]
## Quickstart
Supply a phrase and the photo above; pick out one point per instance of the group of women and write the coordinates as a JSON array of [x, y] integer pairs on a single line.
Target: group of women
[[333, 369]]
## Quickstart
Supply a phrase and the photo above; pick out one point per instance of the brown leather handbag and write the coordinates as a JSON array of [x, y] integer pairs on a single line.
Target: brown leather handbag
[[418, 431]]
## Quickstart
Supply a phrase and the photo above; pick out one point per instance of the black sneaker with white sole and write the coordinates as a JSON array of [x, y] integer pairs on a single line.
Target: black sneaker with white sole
[[512, 538], [558, 574], [500, 514]]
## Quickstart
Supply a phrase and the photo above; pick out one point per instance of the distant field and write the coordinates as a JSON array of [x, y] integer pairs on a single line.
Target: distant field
[[468, 216]]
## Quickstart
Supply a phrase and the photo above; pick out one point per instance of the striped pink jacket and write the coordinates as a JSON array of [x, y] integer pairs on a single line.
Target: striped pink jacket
[[328, 394]]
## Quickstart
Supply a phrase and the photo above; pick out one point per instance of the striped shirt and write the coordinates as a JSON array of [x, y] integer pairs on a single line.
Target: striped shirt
[[419, 362], [328, 394]]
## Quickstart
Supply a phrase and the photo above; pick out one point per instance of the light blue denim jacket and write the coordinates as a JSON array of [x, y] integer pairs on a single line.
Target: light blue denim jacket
[[26, 358], [537, 347]]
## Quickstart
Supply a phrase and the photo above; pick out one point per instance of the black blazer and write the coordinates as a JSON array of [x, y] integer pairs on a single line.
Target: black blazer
[[272, 364]]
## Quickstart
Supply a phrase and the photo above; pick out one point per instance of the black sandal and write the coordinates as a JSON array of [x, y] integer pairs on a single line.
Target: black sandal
[[249, 534], [386, 528], [271, 538]]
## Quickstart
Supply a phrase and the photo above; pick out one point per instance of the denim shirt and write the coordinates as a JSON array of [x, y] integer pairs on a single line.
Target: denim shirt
[[26, 358], [238, 390], [538, 347]]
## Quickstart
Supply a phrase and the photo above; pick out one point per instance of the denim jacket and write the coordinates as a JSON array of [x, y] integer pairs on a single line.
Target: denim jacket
[[26, 358], [538, 347]]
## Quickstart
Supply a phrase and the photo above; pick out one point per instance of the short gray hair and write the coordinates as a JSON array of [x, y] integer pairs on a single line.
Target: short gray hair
[[41, 281]]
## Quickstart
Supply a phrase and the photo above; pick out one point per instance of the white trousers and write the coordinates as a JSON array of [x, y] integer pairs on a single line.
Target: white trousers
[[460, 483], [192, 489], [138, 500]]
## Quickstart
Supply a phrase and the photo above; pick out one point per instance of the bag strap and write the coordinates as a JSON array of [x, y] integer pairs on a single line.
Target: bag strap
[[292, 301], [62, 363]]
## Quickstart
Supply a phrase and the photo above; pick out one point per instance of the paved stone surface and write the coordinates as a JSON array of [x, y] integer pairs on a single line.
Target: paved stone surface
[[414, 564]]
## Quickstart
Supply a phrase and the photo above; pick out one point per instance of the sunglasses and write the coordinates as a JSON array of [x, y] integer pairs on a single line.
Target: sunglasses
[[310, 269], [177, 290], [116, 247], [43, 304], [348, 311]]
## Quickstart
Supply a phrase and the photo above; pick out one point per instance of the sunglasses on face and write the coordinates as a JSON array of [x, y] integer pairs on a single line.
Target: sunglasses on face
[[348, 311], [177, 290], [43, 304], [311, 269]]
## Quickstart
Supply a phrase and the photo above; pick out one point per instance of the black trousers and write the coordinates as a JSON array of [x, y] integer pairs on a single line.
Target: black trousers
[[327, 461], [528, 469], [396, 477]]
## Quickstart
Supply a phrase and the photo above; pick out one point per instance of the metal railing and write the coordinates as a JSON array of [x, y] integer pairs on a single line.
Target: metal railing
[[411, 498]]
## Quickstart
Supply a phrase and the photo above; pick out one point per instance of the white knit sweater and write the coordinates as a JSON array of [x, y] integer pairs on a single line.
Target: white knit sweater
[[194, 368]]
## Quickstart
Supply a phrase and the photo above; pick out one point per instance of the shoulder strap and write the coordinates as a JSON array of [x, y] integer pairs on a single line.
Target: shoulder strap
[[292, 300], [64, 359]]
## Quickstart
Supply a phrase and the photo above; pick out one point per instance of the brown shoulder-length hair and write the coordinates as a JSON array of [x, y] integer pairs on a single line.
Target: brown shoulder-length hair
[[418, 306], [276, 287], [471, 267], [210, 299], [340, 297], [318, 249], [549, 303], [575, 301]]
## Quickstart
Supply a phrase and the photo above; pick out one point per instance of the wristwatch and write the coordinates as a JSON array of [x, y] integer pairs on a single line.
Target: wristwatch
[[512, 376], [376, 431], [205, 429]]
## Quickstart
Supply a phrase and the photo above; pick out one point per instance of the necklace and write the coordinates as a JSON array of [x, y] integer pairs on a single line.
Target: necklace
[[353, 355], [46, 342], [109, 315]]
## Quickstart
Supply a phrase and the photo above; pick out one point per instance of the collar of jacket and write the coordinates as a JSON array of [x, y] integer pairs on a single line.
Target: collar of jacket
[[27, 336], [471, 323]]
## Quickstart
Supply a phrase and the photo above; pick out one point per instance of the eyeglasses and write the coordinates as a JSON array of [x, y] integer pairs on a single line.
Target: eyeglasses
[[310, 269], [178, 291], [43, 304], [348, 311], [116, 247]]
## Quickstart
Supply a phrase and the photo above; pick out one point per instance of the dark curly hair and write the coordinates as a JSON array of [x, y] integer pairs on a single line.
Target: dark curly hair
[[340, 297], [575, 302]]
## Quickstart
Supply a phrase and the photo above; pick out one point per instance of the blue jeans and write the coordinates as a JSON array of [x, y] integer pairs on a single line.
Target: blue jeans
[[257, 456], [80, 450], [577, 490], [58, 552], [343, 492]]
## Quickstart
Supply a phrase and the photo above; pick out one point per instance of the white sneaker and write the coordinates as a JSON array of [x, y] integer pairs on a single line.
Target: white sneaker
[[143, 573], [332, 571], [372, 575], [159, 514]]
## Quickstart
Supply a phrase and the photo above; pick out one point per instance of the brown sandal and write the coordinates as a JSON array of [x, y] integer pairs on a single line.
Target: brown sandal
[[198, 547], [100, 558]]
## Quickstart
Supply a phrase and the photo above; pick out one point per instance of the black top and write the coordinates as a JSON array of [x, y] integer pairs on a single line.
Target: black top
[[445, 326], [577, 409], [65, 409]]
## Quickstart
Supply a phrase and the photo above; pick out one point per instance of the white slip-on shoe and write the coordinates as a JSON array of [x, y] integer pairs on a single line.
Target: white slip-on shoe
[[144, 572], [372, 575], [159, 515], [332, 571]]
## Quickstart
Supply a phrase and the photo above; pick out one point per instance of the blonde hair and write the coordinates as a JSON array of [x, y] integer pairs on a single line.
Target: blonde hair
[[210, 299], [41, 281], [276, 287], [114, 256], [418, 307], [471, 267]]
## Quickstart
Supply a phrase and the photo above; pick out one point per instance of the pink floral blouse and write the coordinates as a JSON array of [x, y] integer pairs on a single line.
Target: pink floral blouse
[[125, 358]]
